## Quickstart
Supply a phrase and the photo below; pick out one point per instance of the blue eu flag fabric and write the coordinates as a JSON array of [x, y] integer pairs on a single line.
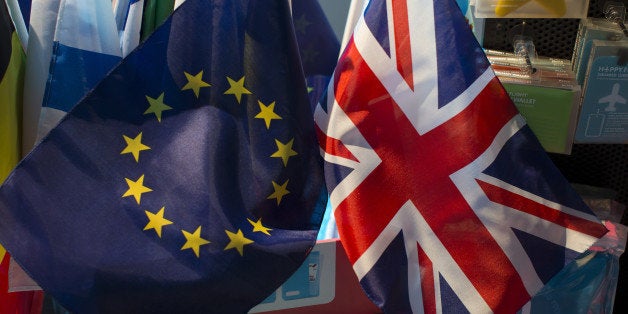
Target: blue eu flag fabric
[[318, 46], [188, 180]]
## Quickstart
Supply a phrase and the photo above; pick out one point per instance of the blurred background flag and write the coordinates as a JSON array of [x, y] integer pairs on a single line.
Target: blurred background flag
[[188, 180], [11, 84], [25, 8], [17, 11], [41, 31], [11, 80], [430, 166], [17, 302], [128, 14], [85, 48], [155, 12]]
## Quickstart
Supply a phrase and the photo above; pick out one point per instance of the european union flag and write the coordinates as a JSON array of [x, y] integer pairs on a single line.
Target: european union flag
[[188, 180]]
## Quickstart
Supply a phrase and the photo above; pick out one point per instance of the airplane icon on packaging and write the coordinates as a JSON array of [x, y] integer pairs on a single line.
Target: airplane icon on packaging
[[612, 99]]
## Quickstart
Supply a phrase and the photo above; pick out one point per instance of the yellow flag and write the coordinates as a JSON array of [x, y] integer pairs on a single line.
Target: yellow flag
[[11, 84]]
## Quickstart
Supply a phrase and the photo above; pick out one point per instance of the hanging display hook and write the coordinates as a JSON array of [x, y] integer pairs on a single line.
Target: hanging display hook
[[616, 12], [523, 45]]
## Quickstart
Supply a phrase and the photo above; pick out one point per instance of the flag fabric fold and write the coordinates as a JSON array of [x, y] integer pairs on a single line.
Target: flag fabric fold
[[188, 180], [25, 9], [329, 229], [16, 302], [177, 3], [318, 49], [356, 8], [128, 14], [19, 12], [41, 31], [444, 199]]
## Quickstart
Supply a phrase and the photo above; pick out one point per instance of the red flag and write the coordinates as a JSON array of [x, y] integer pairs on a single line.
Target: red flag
[[16, 302]]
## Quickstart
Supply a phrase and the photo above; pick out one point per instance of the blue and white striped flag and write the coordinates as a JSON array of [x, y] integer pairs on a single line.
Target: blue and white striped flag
[[84, 49]]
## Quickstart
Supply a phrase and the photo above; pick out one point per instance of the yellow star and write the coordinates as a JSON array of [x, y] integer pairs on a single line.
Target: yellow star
[[136, 188], [284, 151], [237, 241], [2, 252], [237, 88], [267, 113], [310, 89], [195, 82], [157, 106], [156, 221], [194, 241], [258, 227], [280, 191], [134, 146]]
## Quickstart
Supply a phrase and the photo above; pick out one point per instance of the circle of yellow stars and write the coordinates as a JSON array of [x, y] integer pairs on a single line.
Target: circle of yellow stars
[[157, 220]]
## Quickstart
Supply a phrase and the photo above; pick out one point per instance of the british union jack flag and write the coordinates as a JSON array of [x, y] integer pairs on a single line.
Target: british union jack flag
[[444, 199]]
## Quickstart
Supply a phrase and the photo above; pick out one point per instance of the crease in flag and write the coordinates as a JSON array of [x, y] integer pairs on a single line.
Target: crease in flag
[[73, 45], [318, 49], [41, 31], [19, 12], [188, 180], [430, 167], [128, 14]]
